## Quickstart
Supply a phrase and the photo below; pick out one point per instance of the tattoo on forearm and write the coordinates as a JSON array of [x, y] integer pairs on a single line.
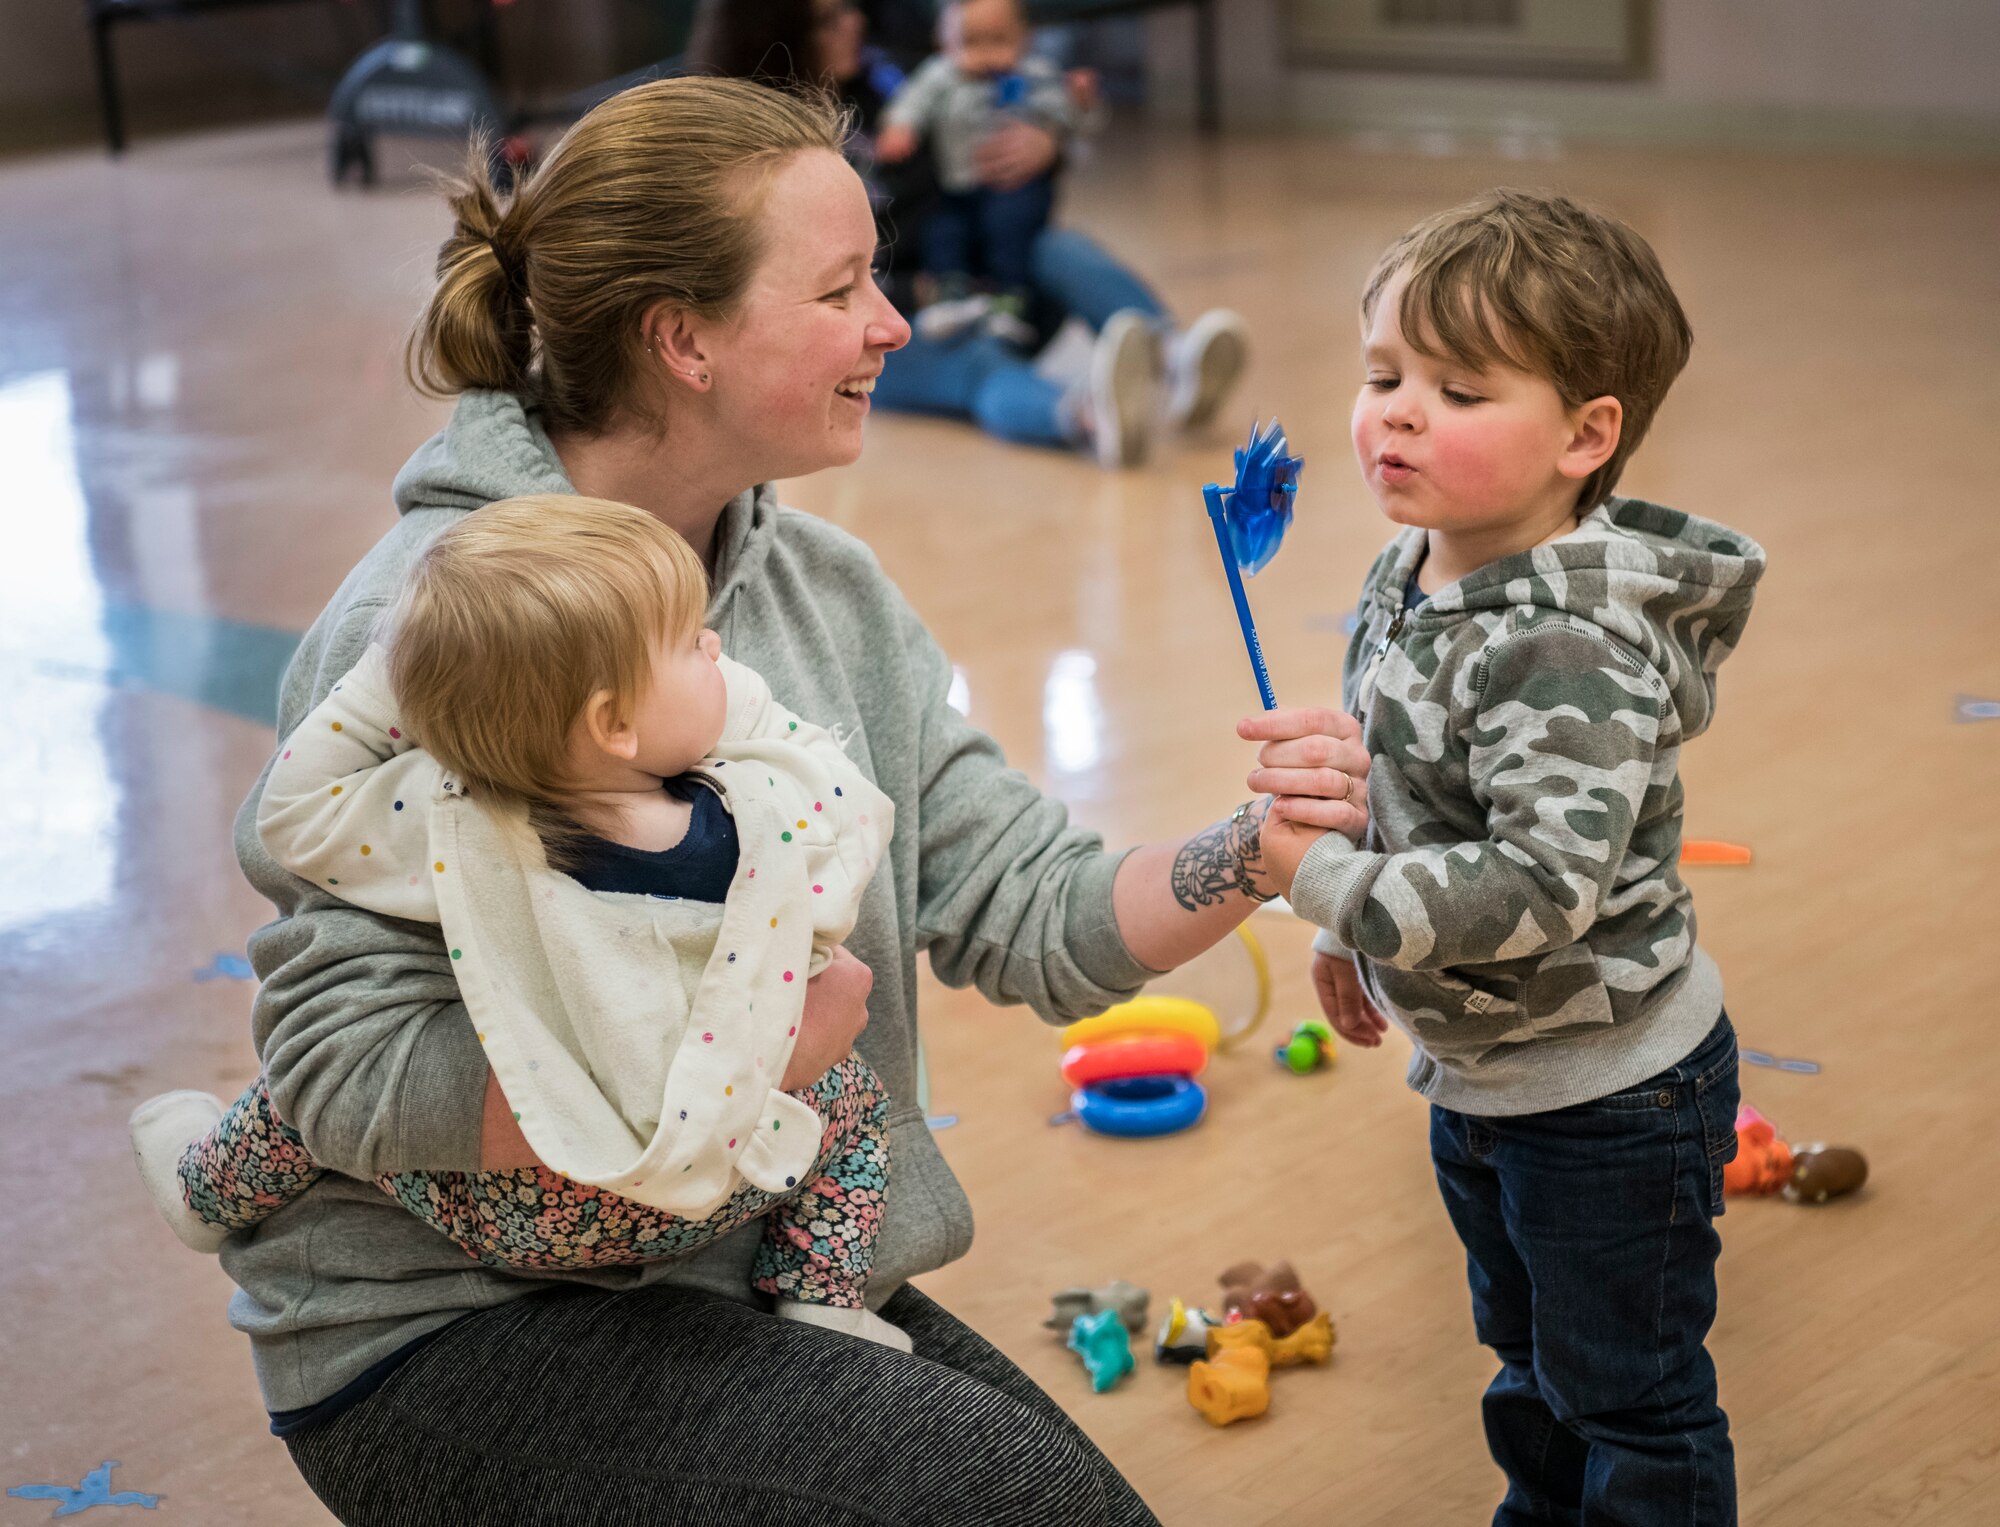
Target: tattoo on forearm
[[1222, 861]]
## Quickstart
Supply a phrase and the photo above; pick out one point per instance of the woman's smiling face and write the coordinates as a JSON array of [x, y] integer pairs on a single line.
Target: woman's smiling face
[[794, 365]]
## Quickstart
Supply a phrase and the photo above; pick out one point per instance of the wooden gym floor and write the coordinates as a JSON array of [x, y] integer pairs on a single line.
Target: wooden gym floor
[[201, 408]]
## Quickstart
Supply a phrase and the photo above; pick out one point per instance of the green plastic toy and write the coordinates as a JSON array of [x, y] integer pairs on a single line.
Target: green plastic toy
[[1309, 1048]]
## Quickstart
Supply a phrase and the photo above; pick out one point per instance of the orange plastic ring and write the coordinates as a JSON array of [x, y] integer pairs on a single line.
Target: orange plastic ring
[[1110, 1060]]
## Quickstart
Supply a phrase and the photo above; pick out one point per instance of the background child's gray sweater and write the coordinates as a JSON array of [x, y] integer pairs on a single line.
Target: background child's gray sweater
[[364, 1039], [955, 112], [1516, 906]]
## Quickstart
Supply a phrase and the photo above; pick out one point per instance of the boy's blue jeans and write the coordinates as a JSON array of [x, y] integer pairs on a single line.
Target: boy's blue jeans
[[1590, 1248]]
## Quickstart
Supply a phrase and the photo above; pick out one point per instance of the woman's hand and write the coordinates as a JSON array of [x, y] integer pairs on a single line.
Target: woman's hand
[[835, 1014], [1015, 153], [1346, 1005], [1312, 760]]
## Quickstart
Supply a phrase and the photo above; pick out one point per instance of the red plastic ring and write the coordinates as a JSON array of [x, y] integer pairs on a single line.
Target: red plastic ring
[[1154, 1054]]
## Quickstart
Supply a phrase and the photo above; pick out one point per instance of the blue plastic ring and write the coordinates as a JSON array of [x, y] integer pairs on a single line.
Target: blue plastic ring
[[1136, 1107]]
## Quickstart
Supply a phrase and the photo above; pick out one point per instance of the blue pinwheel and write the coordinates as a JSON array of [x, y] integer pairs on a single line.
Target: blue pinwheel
[[1250, 520]]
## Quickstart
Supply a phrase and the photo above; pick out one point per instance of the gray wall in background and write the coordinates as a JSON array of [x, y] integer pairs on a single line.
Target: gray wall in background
[[1895, 75]]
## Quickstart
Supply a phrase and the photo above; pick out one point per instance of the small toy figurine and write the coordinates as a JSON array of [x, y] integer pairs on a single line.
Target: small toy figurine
[[1234, 1385], [1310, 1343], [1809, 1174], [1106, 1350], [1128, 1299], [1251, 1291], [1309, 1048], [1184, 1334]]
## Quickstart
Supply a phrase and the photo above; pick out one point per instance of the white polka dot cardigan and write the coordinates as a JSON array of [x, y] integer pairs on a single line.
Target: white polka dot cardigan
[[639, 1041]]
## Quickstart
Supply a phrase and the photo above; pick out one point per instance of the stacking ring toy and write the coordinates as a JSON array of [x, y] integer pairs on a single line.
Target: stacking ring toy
[[1140, 1106], [1148, 1015], [1109, 1060]]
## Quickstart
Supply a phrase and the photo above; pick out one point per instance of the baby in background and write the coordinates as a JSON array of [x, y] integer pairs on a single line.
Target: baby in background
[[637, 859], [979, 233]]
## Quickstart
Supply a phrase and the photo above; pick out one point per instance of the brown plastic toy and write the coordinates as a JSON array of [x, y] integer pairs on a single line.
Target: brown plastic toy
[[1310, 1343], [1820, 1172], [1234, 1385], [1270, 1294]]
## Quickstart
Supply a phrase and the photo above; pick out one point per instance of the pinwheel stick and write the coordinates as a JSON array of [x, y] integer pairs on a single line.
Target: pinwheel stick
[[1214, 497]]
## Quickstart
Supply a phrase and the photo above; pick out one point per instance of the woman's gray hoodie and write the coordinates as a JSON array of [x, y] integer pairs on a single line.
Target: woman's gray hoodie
[[366, 1044]]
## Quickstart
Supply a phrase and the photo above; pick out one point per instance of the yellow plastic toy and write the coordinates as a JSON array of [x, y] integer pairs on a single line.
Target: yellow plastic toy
[[1173, 1015], [1310, 1343], [1234, 1385]]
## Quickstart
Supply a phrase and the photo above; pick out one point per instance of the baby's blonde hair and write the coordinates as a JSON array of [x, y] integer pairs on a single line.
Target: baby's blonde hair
[[517, 615]]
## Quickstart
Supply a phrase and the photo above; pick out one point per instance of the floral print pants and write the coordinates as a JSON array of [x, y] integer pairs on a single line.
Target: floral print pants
[[819, 1238]]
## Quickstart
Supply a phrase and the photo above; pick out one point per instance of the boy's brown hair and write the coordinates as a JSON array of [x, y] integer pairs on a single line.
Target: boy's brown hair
[[520, 612], [1541, 284]]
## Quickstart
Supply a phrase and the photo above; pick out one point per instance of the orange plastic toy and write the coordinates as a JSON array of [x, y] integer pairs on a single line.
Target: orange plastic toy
[[1234, 1385], [1709, 851], [1763, 1162]]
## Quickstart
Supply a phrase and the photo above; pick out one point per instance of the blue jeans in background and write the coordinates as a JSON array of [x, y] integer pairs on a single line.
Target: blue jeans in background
[[979, 377], [1077, 276], [989, 234], [1590, 1247]]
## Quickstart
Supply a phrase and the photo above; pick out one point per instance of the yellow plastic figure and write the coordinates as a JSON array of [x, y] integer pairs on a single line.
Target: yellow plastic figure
[[1310, 1343], [1232, 1386]]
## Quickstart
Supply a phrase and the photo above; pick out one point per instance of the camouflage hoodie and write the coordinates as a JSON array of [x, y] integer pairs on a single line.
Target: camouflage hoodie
[[1516, 906]]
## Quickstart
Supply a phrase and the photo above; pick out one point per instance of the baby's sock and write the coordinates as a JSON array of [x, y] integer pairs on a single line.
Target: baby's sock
[[865, 1324], [162, 1129]]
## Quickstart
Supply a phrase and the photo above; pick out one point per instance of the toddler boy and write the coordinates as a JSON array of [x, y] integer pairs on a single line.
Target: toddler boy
[[1530, 656]]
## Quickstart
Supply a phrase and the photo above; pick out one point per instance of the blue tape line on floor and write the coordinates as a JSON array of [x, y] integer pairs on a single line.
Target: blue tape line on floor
[[1777, 1062], [1967, 708], [94, 1489], [226, 966]]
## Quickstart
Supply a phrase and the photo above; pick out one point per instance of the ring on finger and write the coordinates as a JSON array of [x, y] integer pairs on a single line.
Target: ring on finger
[[1346, 785]]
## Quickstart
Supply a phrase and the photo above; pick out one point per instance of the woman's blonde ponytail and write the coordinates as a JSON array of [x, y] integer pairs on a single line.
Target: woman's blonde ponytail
[[477, 330]]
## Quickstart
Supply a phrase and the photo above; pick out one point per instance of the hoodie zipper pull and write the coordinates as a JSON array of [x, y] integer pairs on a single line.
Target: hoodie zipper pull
[[1366, 694]]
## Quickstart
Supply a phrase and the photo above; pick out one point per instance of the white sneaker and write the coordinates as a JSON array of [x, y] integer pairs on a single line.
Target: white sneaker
[[1204, 363], [865, 1324], [1123, 390], [162, 1129], [951, 316]]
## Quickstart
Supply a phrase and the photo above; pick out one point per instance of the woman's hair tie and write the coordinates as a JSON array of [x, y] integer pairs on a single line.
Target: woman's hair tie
[[517, 277]]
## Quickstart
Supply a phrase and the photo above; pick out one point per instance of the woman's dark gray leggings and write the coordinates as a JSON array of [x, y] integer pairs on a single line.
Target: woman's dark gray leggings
[[664, 1406]]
